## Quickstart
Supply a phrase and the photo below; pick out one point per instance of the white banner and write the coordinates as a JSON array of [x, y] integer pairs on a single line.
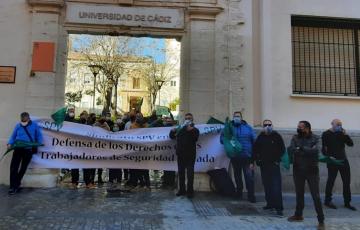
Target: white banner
[[82, 146]]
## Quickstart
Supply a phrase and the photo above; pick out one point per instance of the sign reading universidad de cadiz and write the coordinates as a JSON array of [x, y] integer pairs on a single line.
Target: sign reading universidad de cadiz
[[126, 16]]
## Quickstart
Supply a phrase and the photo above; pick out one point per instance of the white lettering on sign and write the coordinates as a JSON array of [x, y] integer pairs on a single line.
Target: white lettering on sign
[[126, 16]]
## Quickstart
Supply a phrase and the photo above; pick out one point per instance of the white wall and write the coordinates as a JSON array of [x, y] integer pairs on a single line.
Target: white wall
[[276, 89], [15, 36]]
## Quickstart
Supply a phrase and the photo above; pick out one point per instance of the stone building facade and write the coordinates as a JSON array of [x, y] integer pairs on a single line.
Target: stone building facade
[[235, 55]]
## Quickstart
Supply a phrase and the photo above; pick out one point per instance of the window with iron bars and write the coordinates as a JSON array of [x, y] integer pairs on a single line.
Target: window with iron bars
[[325, 53]]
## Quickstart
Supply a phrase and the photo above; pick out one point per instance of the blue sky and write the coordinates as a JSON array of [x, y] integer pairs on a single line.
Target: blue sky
[[152, 46]]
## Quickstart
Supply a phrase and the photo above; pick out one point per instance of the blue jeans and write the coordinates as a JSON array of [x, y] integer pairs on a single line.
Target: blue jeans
[[242, 165], [271, 179]]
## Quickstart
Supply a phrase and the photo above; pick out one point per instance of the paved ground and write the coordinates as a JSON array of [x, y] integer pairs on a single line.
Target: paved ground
[[103, 208]]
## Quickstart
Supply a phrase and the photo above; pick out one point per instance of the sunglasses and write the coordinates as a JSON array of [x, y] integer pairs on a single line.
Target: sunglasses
[[267, 125]]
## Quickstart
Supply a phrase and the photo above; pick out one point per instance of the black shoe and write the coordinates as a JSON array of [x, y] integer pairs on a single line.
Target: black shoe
[[279, 213], [190, 195], [267, 208], [330, 205], [180, 193], [348, 206], [252, 200], [12, 191]]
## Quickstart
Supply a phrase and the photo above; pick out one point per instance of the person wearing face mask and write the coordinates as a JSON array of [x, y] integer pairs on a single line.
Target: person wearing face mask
[[244, 163], [27, 131], [104, 125], [186, 137], [70, 117], [140, 178], [334, 141], [115, 174], [268, 149], [305, 149], [109, 121], [89, 173], [83, 117]]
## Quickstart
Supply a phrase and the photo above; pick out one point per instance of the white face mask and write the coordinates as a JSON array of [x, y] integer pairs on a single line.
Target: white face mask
[[24, 123], [118, 121], [71, 114], [187, 122]]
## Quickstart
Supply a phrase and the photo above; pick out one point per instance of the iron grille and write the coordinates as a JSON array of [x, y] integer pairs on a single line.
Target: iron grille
[[325, 56]]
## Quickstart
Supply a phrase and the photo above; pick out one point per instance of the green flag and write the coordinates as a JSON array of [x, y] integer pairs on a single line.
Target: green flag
[[213, 120], [59, 116], [328, 160], [21, 144]]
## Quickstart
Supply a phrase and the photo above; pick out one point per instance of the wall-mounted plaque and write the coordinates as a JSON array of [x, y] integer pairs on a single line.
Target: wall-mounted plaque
[[7, 74]]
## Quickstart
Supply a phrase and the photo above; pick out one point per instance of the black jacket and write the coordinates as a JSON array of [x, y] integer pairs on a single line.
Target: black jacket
[[305, 152], [185, 143], [268, 148], [334, 144]]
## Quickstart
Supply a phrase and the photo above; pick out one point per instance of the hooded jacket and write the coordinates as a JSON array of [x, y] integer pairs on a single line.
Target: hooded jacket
[[245, 134]]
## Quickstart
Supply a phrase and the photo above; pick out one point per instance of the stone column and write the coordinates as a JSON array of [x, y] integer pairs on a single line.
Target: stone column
[[43, 88], [197, 87]]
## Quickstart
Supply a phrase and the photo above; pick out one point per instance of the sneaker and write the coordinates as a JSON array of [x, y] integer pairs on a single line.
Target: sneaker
[[180, 193], [12, 191], [348, 206], [295, 218], [330, 205], [321, 226]]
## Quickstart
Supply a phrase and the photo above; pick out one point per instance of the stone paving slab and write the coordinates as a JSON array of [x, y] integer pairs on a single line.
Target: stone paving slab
[[101, 208]]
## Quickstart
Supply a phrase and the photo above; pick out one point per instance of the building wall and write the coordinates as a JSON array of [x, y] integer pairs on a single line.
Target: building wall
[[276, 71]]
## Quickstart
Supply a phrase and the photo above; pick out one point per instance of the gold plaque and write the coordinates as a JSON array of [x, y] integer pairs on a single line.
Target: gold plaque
[[7, 74]]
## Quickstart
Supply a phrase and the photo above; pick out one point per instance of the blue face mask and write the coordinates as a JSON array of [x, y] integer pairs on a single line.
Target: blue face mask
[[237, 120], [338, 129], [268, 129]]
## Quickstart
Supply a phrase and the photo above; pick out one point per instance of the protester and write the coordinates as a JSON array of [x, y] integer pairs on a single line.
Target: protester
[[268, 149], [27, 131], [245, 134], [115, 174], [104, 125], [168, 179], [334, 141], [186, 137], [89, 173], [70, 117], [304, 148], [109, 120], [140, 177]]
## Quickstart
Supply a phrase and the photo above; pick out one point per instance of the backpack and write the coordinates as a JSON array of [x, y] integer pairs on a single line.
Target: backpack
[[221, 183]]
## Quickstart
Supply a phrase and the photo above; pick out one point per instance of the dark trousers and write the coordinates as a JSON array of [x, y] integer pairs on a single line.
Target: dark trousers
[[133, 177], [75, 176], [188, 166], [21, 158], [313, 179], [169, 178], [144, 177], [345, 176], [115, 174], [99, 174], [126, 174], [242, 165], [89, 176], [271, 179]]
